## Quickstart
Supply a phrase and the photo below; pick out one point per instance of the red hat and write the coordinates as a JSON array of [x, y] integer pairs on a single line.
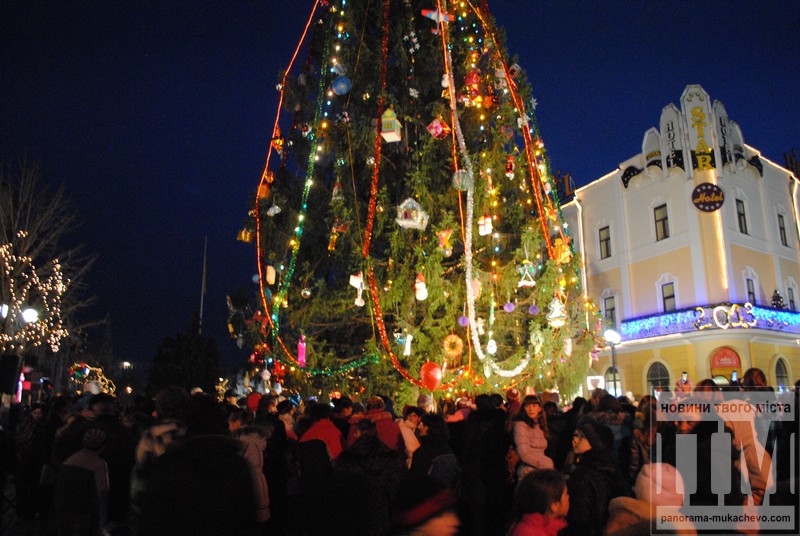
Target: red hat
[[252, 401]]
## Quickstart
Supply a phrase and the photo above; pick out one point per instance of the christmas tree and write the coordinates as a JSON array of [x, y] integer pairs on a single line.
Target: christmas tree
[[407, 223]]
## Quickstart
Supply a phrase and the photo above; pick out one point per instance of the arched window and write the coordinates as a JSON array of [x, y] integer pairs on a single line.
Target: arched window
[[657, 377], [613, 381], [781, 375]]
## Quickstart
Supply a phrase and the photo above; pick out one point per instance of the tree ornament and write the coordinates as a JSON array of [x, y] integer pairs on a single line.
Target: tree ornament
[[245, 235], [462, 180], [274, 210], [510, 167], [301, 351], [557, 316], [526, 271], [463, 321], [509, 307], [453, 346], [390, 126], [431, 375], [407, 344], [336, 229], [533, 309], [341, 85], [411, 216], [568, 347], [444, 242], [420, 288], [491, 346], [357, 281], [485, 225], [439, 129], [561, 250], [343, 118], [306, 293], [476, 288], [271, 274], [445, 84], [337, 191]]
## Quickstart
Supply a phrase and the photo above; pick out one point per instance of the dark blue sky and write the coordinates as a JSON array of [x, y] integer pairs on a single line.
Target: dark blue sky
[[156, 117]]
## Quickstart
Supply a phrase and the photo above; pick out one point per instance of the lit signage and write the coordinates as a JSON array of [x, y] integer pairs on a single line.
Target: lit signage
[[708, 197]]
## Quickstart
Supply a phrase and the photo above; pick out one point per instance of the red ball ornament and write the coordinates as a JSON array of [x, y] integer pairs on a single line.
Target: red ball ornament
[[431, 375]]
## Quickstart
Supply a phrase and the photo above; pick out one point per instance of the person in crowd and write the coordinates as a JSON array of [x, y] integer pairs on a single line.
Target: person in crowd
[[323, 429], [367, 473], [683, 386], [595, 480], [253, 444], [408, 428], [530, 437], [698, 418], [485, 495], [645, 428], [558, 443], [434, 457], [388, 430], [238, 418], [170, 413], [276, 463], [425, 403], [286, 411], [659, 491], [200, 485], [118, 452], [342, 411], [463, 409], [541, 504], [424, 507], [32, 451], [81, 496], [513, 403], [609, 413]]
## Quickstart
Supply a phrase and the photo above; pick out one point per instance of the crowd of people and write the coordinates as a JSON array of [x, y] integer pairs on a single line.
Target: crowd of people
[[497, 464]]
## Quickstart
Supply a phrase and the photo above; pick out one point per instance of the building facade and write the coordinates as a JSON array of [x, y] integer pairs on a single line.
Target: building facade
[[691, 250]]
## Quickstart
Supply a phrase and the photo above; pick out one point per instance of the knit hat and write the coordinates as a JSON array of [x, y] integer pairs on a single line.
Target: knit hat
[[599, 435], [419, 499], [94, 439], [513, 394], [660, 484], [252, 401]]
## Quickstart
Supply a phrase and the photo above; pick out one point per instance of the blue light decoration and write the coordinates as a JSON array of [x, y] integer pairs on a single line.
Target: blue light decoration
[[720, 316]]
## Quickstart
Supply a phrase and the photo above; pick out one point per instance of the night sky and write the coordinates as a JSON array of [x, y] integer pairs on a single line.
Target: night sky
[[156, 115]]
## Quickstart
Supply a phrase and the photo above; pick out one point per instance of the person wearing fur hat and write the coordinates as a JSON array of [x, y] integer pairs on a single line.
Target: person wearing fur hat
[[659, 490], [595, 480]]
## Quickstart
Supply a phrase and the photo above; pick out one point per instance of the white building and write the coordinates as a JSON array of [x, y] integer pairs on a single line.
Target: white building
[[684, 246]]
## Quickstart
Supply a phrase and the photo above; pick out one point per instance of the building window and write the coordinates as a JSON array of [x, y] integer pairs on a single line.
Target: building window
[[657, 378], [751, 291], [662, 222], [613, 381], [782, 230], [741, 216], [605, 242], [790, 296], [781, 375], [668, 297], [610, 310]]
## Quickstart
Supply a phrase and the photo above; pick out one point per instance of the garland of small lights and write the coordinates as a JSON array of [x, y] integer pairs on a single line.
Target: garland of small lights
[[23, 283], [81, 373]]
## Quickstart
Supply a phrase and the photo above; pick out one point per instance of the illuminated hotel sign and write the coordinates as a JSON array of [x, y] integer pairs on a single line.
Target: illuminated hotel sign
[[708, 197], [711, 317], [695, 106]]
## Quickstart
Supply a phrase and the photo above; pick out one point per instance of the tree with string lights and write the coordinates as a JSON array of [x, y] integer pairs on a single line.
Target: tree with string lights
[[407, 223]]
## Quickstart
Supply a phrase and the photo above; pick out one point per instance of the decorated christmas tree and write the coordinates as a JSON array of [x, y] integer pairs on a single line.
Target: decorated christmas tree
[[407, 223]]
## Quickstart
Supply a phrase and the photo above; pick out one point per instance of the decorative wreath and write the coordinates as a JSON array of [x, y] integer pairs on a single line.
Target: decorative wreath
[[453, 346]]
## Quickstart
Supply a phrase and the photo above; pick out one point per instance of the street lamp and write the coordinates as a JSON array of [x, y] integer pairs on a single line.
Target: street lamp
[[613, 338]]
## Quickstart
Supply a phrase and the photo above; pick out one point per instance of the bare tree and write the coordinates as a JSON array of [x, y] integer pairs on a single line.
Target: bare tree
[[41, 265]]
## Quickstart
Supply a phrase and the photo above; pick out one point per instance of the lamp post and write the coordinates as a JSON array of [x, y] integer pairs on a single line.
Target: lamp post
[[613, 338]]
